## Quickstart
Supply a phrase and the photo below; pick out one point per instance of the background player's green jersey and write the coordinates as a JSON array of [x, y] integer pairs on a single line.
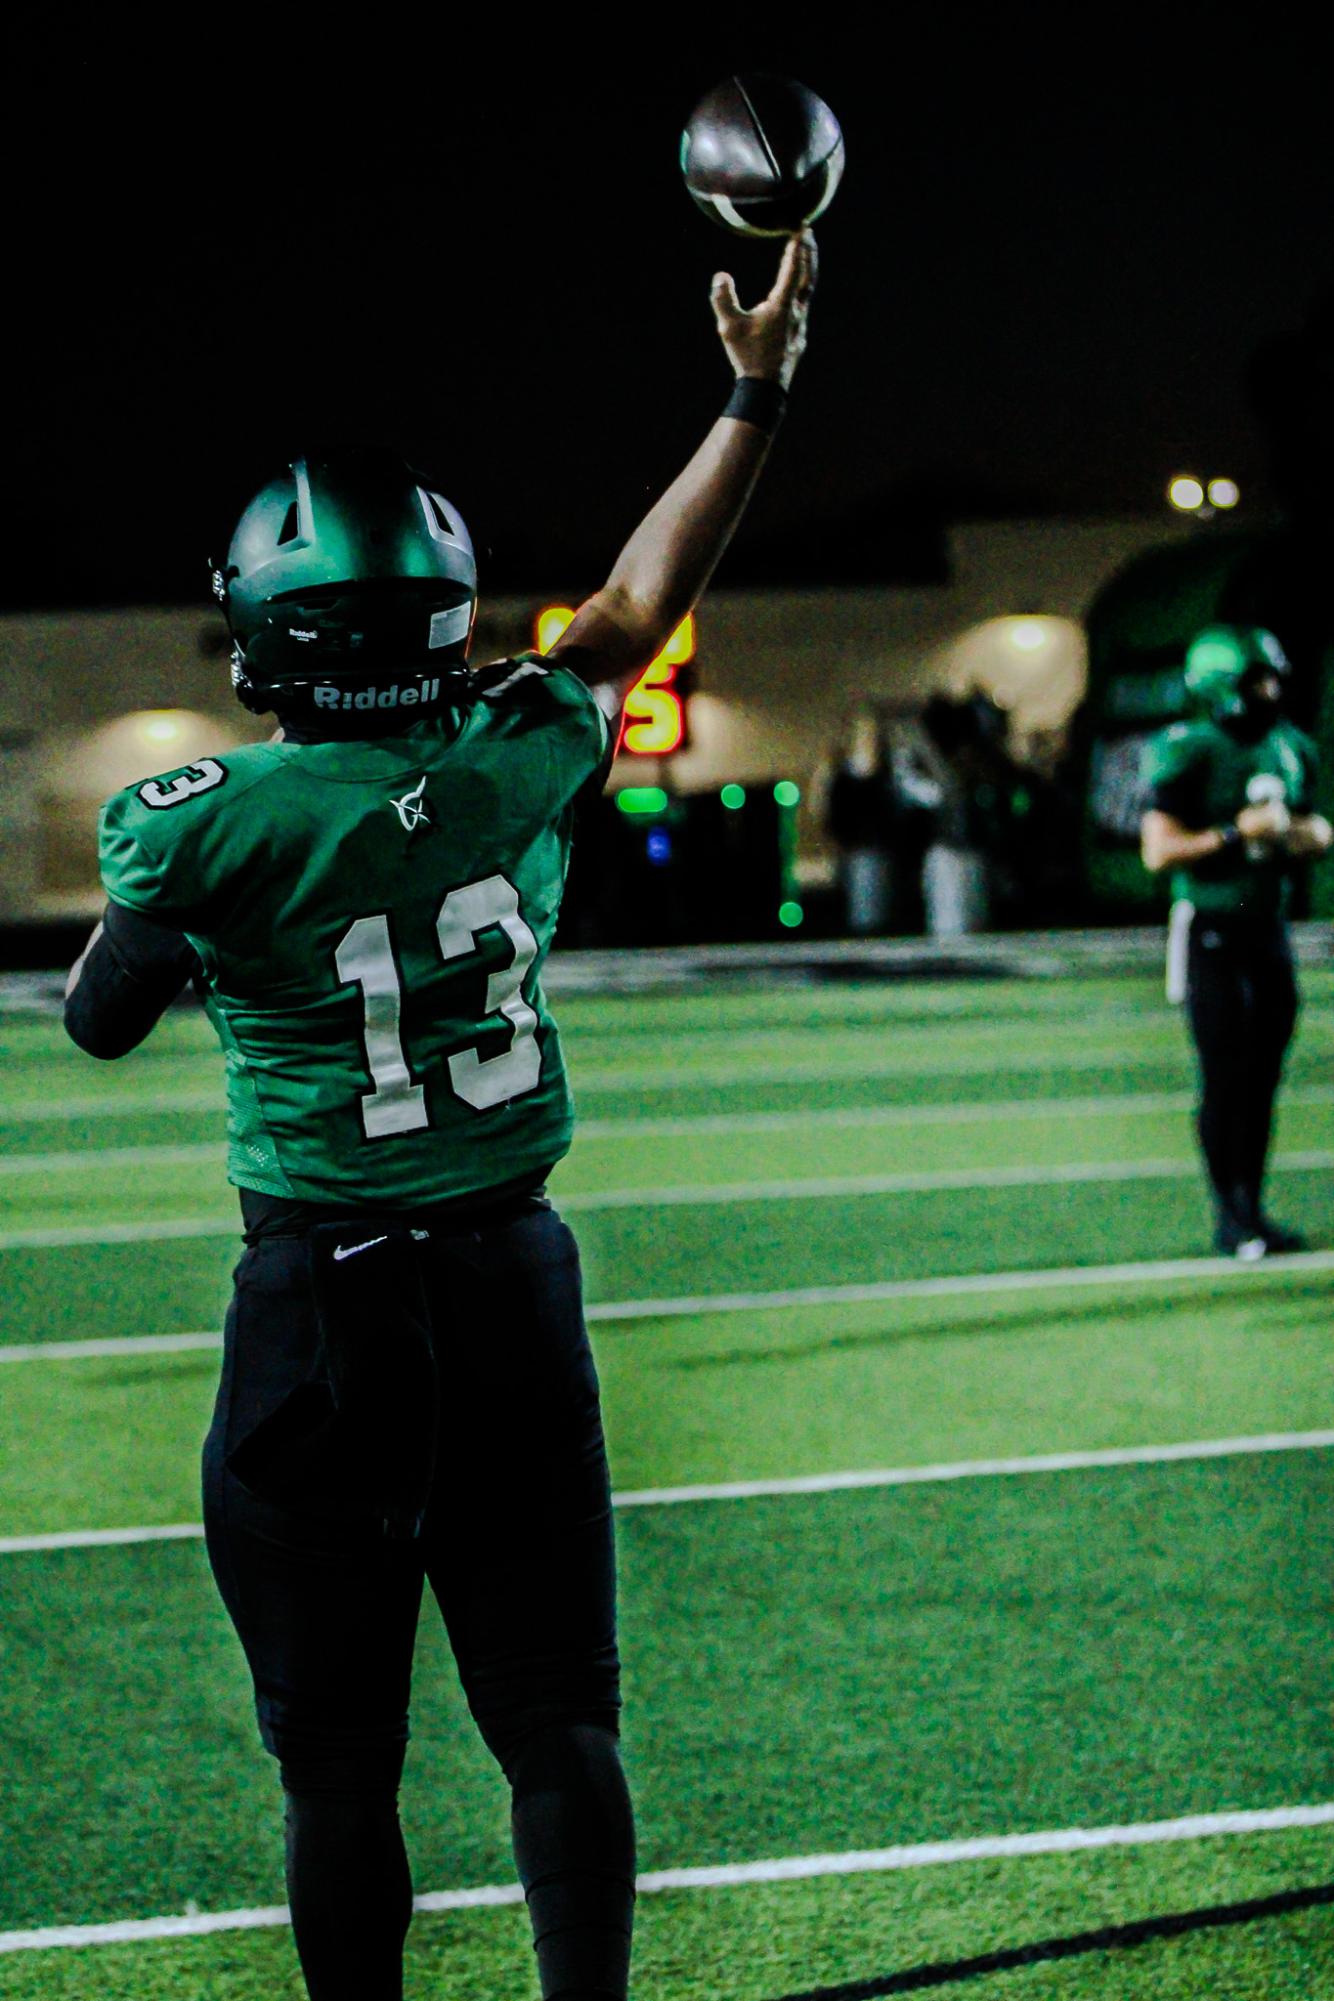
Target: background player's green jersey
[[1203, 775], [373, 918]]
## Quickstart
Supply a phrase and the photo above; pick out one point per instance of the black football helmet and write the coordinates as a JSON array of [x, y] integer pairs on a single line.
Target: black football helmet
[[349, 585]]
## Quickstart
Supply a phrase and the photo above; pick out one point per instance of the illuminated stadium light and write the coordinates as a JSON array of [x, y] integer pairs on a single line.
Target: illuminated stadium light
[[733, 797], [790, 915], [161, 726], [1028, 635], [642, 799], [786, 793], [655, 722], [1186, 493], [1224, 493]]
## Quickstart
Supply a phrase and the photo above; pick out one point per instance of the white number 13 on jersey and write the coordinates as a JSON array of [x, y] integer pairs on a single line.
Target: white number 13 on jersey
[[365, 958]]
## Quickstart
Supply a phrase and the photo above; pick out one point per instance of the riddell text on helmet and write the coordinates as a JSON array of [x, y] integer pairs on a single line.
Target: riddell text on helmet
[[378, 698]]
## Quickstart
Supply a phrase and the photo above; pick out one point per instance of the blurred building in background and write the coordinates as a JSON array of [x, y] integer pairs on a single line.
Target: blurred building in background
[[968, 685]]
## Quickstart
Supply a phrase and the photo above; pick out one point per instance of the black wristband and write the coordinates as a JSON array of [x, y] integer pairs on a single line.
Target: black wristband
[[757, 400], [1232, 838]]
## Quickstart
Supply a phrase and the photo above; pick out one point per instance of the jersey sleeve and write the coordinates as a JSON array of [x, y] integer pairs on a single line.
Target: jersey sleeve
[[157, 844], [529, 694], [1172, 775]]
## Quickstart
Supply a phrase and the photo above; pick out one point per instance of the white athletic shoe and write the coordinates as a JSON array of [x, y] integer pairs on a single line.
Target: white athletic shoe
[[1250, 1250]]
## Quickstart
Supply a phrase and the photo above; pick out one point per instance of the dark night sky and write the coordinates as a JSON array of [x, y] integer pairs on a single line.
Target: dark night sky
[[1054, 250]]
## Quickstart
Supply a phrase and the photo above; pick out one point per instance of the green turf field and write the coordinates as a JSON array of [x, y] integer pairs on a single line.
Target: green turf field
[[963, 1652]]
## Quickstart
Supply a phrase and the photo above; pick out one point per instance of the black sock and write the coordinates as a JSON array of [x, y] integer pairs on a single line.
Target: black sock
[[574, 1845], [349, 1889]]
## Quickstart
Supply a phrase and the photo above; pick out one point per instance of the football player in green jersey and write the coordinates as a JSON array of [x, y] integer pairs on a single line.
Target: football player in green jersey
[[366, 902], [1229, 806]]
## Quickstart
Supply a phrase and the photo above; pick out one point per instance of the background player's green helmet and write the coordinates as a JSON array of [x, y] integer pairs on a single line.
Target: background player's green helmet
[[349, 585], [1219, 660]]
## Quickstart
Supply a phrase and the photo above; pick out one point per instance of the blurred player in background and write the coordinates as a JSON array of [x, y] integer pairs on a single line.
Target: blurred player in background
[[1229, 799], [367, 902]]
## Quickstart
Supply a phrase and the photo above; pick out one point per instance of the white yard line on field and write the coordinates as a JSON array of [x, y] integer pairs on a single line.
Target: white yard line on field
[[719, 1194], [806, 1483], [114, 1105], [109, 1346], [782, 1869], [980, 1469], [79, 1160], [1159, 1271], [969, 1111], [924, 1182], [59, 1235], [1127, 1054]]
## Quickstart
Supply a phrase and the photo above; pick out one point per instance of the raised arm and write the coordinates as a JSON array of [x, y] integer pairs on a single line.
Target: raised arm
[[663, 570]]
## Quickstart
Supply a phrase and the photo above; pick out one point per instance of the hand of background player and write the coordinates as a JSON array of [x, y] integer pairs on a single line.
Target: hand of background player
[[1269, 821], [1309, 834], [768, 340]]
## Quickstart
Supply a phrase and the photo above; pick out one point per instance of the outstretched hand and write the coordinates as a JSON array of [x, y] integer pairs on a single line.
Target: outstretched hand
[[768, 341]]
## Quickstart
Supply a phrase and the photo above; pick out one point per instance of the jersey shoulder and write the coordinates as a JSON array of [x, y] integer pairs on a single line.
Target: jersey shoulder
[[527, 693], [1178, 748], [155, 835]]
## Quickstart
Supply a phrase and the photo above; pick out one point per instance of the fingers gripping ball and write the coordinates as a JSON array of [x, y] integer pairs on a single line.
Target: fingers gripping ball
[[762, 155]]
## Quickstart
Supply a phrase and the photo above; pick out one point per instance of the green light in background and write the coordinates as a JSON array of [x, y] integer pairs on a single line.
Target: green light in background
[[642, 799], [790, 914], [787, 794], [733, 796]]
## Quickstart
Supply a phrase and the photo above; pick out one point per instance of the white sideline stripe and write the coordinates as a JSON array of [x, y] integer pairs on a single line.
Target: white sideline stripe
[[927, 1181], [1157, 1271], [805, 1483], [1162, 1271], [719, 1194], [785, 1869]]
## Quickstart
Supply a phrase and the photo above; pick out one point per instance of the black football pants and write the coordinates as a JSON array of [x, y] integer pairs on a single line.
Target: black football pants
[[1241, 998], [516, 1545]]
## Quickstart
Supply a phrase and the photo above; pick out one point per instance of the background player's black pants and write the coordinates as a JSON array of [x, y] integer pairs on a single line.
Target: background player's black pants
[[1241, 996], [517, 1547]]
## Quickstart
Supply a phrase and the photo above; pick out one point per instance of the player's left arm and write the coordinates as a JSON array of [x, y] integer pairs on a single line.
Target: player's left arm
[[127, 975], [664, 568]]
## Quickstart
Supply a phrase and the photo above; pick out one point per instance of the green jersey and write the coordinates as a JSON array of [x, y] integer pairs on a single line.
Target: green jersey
[[373, 918], [1203, 775]]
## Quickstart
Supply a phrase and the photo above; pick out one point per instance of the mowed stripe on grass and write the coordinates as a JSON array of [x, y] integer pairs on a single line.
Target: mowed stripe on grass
[[934, 1662], [694, 1393], [778, 1869], [711, 1389], [808, 1483]]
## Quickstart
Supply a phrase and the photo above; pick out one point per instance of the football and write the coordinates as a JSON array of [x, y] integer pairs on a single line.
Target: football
[[762, 155]]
